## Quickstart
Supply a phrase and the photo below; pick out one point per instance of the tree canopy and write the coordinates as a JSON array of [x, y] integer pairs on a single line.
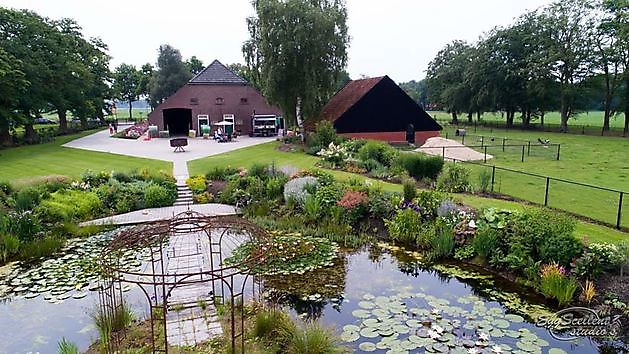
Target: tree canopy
[[170, 75], [568, 56], [297, 51]]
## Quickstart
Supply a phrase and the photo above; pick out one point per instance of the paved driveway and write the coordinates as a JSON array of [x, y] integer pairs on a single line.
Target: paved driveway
[[159, 149]]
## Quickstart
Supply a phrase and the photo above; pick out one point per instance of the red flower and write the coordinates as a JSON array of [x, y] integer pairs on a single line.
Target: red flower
[[352, 199]]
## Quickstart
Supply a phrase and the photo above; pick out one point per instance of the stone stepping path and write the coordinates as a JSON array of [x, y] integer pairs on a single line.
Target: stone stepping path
[[187, 323]]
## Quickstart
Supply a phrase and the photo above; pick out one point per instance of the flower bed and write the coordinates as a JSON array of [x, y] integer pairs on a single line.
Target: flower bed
[[133, 132]]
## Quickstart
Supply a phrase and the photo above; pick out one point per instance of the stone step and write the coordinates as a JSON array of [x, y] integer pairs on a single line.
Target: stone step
[[183, 203], [183, 198], [184, 193]]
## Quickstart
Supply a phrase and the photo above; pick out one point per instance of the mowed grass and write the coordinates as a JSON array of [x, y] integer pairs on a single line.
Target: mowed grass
[[26, 162], [588, 119], [598, 161], [269, 154]]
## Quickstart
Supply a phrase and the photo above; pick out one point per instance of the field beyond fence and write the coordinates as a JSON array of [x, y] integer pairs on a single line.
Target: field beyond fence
[[604, 205]]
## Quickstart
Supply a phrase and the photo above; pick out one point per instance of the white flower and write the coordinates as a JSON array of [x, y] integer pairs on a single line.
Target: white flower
[[496, 349], [433, 334], [473, 351], [438, 329], [472, 224], [483, 336]]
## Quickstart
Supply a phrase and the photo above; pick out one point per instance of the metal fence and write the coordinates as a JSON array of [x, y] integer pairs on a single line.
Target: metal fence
[[582, 129], [601, 204]]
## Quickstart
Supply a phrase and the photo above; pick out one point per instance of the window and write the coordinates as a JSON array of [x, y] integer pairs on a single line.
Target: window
[[244, 100], [194, 101], [219, 100]]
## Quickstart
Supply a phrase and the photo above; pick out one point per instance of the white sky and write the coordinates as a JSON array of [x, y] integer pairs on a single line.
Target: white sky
[[393, 37]]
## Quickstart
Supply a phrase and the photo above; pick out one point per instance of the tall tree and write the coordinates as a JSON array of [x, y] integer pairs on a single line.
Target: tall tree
[[194, 65], [445, 78], [170, 75], [569, 26], [299, 48], [12, 85], [126, 84], [246, 73], [146, 72], [616, 24]]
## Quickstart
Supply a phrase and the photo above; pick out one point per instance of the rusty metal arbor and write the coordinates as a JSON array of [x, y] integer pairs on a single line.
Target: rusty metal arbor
[[183, 277]]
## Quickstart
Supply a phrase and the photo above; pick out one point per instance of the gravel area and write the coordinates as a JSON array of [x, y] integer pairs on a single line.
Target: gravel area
[[453, 150]]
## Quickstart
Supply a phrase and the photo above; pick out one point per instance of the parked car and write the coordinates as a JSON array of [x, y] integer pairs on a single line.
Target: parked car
[[42, 120]]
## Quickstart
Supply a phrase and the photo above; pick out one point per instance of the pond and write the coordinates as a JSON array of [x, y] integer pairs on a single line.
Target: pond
[[386, 300], [382, 299]]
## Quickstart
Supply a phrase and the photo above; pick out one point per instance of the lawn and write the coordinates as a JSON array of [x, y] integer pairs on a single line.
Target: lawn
[[591, 119], [268, 153], [25, 162], [599, 161]]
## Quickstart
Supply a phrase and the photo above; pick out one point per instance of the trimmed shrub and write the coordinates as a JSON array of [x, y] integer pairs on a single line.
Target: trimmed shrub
[[379, 151], [409, 190], [454, 179], [381, 204], [156, 195], [323, 135], [328, 195], [421, 166]]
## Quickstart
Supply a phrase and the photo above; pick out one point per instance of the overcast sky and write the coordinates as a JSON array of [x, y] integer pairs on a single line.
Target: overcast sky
[[393, 37]]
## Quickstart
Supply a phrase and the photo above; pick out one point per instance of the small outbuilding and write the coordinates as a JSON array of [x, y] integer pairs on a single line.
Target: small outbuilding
[[216, 94], [378, 109]]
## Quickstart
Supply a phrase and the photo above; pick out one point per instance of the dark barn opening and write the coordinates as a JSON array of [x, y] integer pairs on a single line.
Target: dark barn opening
[[178, 121]]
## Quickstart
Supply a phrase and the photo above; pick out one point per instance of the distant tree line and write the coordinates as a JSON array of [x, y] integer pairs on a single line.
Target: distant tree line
[[569, 56]]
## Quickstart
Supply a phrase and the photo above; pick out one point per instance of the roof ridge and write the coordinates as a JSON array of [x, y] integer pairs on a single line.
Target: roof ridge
[[217, 73]]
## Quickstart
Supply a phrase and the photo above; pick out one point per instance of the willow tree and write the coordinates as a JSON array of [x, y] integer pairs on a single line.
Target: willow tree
[[298, 49]]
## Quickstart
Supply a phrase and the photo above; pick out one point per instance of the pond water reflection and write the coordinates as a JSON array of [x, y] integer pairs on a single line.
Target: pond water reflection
[[383, 303]]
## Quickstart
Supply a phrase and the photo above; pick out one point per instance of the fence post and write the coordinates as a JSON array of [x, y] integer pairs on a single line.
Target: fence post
[[558, 149], [503, 144], [546, 193], [482, 140], [493, 177], [528, 153], [485, 159], [446, 135], [443, 152], [619, 210], [463, 140], [523, 146]]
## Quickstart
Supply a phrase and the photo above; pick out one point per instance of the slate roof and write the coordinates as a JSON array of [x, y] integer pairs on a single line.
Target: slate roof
[[343, 100], [218, 74]]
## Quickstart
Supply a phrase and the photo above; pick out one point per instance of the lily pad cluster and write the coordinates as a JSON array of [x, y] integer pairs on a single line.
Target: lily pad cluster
[[411, 322], [287, 254], [73, 273]]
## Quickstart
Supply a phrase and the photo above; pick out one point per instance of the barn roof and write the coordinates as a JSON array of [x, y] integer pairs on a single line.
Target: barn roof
[[218, 74], [351, 93]]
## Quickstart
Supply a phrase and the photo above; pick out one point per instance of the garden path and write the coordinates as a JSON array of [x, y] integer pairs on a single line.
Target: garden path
[[159, 149], [191, 317], [155, 214]]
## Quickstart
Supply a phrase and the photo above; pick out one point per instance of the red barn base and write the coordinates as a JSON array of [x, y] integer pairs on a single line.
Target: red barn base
[[394, 137]]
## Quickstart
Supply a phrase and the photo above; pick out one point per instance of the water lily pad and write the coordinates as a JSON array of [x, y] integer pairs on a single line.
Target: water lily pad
[[556, 351], [367, 347], [366, 305], [350, 336], [501, 324], [351, 328], [361, 313], [369, 332], [514, 318], [528, 346]]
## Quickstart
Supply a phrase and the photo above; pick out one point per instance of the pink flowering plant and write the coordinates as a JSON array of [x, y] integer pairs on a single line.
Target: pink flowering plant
[[354, 204]]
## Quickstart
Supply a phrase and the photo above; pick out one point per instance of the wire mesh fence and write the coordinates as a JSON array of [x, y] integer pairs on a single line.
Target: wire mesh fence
[[604, 205], [583, 129]]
